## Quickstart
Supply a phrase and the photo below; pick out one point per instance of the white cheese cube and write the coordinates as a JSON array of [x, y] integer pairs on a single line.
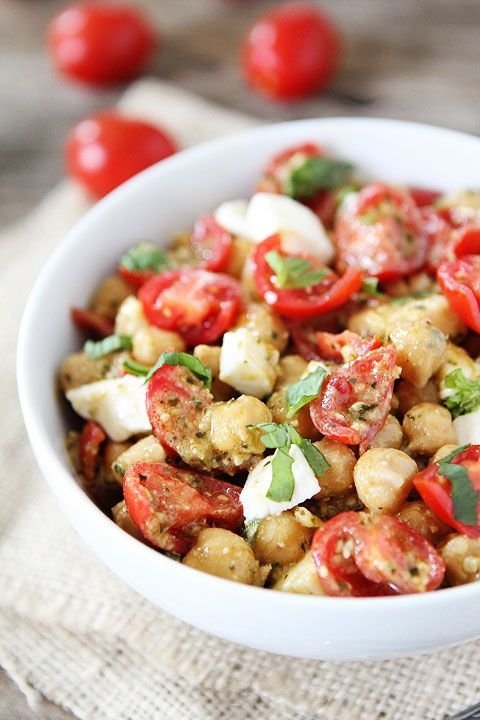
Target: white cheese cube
[[467, 428], [232, 215], [254, 494], [117, 404], [130, 317], [247, 363]]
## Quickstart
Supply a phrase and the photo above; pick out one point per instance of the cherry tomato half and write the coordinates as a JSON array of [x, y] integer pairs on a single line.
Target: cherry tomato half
[[198, 304], [329, 294], [94, 324], [90, 442], [436, 489], [106, 149], [171, 505], [459, 281], [211, 244], [360, 555], [381, 232], [423, 197], [356, 398], [100, 43], [291, 51], [345, 345]]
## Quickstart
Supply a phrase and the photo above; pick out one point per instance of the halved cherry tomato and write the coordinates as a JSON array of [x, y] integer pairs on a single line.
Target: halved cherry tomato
[[90, 442], [100, 43], [95, 325], [135, 278], [273, 176], [291, 51], [459, 281], [360, 555], [439, 237], [329, 294], [171, 505], [436, 489], [211, 244], [466, 241], [198, 304], [324, 205], [356, 398], [423, 197], [107, 148], [345, 345], [381, 232]]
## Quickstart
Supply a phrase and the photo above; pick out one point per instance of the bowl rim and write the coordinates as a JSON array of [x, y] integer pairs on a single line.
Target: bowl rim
[[64, 484]]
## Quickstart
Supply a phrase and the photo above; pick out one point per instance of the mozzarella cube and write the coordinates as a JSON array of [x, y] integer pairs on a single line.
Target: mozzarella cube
[[232, 216], [300, 228], [467, 428], [117, 404], [248, 364], [130, 317], [254, 498]]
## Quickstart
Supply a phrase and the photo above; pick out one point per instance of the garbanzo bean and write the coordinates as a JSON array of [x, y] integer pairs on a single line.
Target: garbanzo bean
[[442, 452], [209, 355], [300, 578], [277, 404], [109, 296], [228, 425], [462, 558], [419, 516], [268, 326], [222, 553], [79, 369], [281, 539], [421, 349], [427, 427], [150, 342], [408, 395], [292, 368], [390, 436], [123, 519], [383, 479], [339, 477], [148, 449], [241, 248], [111, 451]]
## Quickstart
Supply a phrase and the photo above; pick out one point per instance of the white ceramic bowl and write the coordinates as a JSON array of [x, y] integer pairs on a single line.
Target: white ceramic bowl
[[162, 200]]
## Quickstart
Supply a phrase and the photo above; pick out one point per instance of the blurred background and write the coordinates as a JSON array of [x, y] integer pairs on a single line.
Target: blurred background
[[414, 59]]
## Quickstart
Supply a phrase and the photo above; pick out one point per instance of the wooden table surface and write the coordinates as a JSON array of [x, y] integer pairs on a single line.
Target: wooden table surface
[[414, 59]]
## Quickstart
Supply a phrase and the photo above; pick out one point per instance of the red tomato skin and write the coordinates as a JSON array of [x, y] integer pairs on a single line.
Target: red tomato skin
[[437, 495], [135, 278], [213, 256], [385, 247], [329, 294], [309, 149], [100, 43], [107, 148], [94, 324], [374, 374], [198, 304], [424, 197], [91, 439], [171, 505], [330, 345], [459, 281], [291, 52], [467, 241], [439, 237]]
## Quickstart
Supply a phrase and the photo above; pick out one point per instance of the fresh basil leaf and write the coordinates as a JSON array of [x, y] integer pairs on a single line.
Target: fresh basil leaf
[[370, 286], [283, 483], [448, 458], [112, 343], [144, 257], [304, 391], [314, 457], [251, 527], [135, 368], [189, 361], [294, 272], [274, 435], [314, 174], [466, 398], [464, 496]]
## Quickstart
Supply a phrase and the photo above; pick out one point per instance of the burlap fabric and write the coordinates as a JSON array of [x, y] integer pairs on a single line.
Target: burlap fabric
[[73, 633]]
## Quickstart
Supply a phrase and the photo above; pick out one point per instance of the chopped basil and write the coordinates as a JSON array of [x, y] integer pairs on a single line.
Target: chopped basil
[[370, 286], [314, 457], [465, 498], [251, 527], [304, 391], [135, 368], [314, 174], [274, 435], [294, 272], [448, 458], [110, 344], [283, 483], [144, 257], [189, 361], [466, 398]]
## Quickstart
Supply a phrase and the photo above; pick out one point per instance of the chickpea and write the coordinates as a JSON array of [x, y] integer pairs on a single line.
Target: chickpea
[[442, 452], [123, 519], [421, 349], [462, 559], [302, 421], [383, 479], [419, 516], [300, 578], [111, 451], [292, 368], [427, 427], [268, 326], [455, 358], [150, 342], [241, 248], [339, 477], [281, 539], [247, 279], [148, 449], [79, 369], [209, 355], [419, 283], [130, 317], [408, 395], [109, 296], [222, 553], [229, 422], [390, 436]]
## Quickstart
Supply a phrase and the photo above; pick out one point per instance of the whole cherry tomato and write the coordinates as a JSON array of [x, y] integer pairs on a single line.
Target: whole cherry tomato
[[291, 51], [100, 43], [106, 149], [459, 281]]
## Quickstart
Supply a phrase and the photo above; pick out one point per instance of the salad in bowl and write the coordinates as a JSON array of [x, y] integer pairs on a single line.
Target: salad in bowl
[[287, 395]]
